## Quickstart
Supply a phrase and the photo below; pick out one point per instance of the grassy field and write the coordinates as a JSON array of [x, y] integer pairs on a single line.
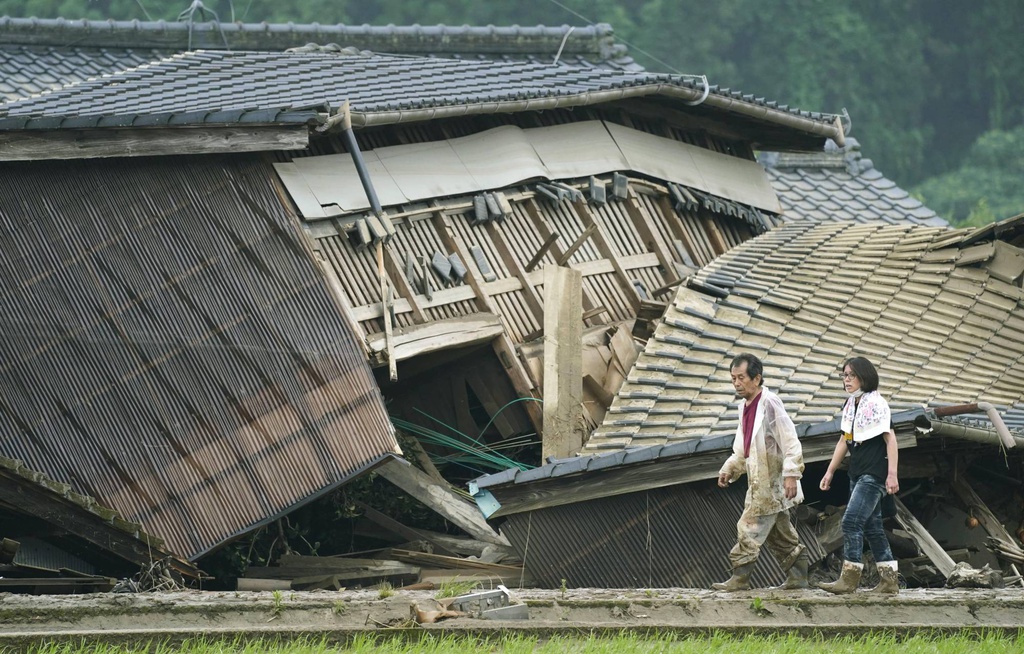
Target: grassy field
[[623, 644]]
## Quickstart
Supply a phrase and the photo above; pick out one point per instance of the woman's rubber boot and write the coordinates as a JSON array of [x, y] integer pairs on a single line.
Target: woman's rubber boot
[[740, 579], [849, 579], [888, 578], [796, 578]]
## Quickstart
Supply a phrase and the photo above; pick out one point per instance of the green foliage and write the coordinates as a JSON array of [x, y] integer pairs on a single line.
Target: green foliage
[[455, 588], [625, 643], [278, 604], [385, 590], [986, 187]]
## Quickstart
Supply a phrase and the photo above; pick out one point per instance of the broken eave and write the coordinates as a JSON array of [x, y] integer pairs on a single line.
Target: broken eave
[[32, 493]]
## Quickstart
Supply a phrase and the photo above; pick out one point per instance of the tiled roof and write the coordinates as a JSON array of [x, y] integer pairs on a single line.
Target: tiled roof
[[595, 462], [931, 307], [44, 54], [293, 87], [840, 184]]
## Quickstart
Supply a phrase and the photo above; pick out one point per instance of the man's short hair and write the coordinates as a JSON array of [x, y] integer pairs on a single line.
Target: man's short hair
[[754, 367]]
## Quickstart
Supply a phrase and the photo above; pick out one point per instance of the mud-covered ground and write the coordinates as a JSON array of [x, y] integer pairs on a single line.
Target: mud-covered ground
[[340, 614]]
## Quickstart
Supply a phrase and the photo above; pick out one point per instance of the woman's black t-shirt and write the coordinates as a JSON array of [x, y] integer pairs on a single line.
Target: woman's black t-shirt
[[869, 457]]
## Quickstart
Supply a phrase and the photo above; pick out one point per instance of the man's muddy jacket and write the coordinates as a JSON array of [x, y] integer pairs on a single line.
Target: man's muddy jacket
[[775, 453]]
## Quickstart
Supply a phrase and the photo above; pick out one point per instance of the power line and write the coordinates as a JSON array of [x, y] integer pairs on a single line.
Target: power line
[[637, 48], [148, 17]]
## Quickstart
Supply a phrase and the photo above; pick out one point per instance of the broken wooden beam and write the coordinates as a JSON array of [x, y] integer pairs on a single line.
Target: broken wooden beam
[[547, 245], [931, 548], [441, 499], [577, 244]]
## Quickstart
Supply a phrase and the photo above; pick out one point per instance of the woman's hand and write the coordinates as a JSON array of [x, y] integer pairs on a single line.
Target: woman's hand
[[892, 483], [826, 481]]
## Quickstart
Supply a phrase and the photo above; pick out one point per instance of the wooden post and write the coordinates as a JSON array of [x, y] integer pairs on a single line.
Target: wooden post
[[563, 362]]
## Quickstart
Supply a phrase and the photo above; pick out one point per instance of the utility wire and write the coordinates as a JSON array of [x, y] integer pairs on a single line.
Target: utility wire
[[148, 17], [619, 38]]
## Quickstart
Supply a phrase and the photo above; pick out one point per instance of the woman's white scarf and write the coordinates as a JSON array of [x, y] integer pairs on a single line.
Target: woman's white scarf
[[870, 418]]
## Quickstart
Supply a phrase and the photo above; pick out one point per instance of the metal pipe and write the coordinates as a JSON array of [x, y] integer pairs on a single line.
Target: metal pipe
[[357, 156], [928, 422], [816, 127]]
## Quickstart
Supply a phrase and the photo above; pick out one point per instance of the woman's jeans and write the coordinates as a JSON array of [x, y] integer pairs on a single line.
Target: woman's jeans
[[863, 520]]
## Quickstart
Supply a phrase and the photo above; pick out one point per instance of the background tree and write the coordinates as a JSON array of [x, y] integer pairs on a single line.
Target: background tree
[[923, 80]]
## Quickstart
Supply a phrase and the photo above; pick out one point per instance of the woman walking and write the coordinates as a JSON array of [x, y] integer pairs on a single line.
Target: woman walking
[[871, 443]]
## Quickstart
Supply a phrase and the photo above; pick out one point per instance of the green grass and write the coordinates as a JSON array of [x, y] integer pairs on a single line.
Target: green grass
[[718, 643], [455, 588]]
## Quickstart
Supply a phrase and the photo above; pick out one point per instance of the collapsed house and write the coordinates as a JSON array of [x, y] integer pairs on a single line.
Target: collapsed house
[[939, 311], [636, 179], [493, 168]]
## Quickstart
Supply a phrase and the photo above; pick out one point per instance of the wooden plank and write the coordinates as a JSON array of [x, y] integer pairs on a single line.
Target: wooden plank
[[938, 556], [34, 145], [547, 245], [520, 379], [563, 376], [396, 273], [606, 251], [453, 562], [512, 265], [444, 228], [390, 524], [439, 335], [649, 233], [577, 244], [675, 225], [385, 301], [714, 235], [533, 210], [441, 499]]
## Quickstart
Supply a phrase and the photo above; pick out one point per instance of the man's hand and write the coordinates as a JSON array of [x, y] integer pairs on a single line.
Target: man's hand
[[723, 480], [789, 484], [826, 481]]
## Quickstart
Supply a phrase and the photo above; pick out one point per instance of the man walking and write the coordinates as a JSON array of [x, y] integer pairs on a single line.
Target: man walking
[[768, 450]]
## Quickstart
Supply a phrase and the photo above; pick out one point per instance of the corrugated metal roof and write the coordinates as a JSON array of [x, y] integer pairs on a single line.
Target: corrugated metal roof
[[171, 347], [677, 536], [841, 184], [293, 87], [806, 296], [44, 54]]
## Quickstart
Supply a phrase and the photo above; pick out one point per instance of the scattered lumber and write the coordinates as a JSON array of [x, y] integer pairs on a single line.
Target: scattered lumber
[[938, 556], [334, 572], [455, 563]]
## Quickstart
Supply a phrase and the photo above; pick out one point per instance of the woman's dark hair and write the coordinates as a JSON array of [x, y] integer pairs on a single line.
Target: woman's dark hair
[[754, 367], [865, 372]]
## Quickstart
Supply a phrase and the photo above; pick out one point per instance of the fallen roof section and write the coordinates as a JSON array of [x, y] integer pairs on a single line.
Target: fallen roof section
[[172, 349], [840, 184], [939, 311]]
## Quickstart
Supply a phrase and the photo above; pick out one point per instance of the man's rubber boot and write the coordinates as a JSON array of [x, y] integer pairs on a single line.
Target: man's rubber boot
[[849, 579], [888, 578], [740, 579], [796, 578]]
